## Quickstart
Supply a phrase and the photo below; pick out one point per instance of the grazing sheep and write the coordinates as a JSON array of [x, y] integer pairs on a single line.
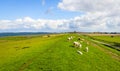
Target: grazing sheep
[[70, 38], [80, 52], [80, 45], [86, 49], [77, 44]]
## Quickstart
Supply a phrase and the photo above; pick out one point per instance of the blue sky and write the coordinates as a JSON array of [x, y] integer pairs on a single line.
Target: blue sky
[[12, 9], [59, 15]]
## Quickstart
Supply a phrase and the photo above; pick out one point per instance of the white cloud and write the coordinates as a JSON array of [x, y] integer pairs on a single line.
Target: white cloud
[[4, 24], [87, 22], [100, 15], [89, 5], [102, 8], [29, 23]]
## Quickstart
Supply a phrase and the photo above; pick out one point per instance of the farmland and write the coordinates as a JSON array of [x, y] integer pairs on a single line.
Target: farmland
[[56, 53]]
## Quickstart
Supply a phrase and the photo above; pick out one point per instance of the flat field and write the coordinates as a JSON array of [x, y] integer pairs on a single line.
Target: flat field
[[56, 53]]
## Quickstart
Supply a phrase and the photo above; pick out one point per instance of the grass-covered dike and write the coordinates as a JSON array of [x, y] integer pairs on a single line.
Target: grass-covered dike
[[55, 53]]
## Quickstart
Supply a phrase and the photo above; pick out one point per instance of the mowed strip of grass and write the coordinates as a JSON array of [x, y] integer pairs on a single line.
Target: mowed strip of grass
[[54, 54]]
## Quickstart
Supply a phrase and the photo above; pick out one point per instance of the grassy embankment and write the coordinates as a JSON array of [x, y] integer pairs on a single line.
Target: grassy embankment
[[53, 53]]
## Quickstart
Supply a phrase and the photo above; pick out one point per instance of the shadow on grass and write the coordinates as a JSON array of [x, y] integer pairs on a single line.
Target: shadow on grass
[[25, 47], [117, 44], [113, 47], [71, 46]]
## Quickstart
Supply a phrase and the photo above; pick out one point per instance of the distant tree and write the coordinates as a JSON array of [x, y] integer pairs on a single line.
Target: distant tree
[[75, 32]]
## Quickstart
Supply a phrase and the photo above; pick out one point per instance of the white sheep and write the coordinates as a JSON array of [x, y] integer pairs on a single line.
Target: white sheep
[[77, 44], [80, 45], [80, 52], [70, 38], [86, 49]]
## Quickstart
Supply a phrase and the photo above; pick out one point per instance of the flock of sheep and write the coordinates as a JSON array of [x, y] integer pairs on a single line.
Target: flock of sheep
[[77, 44]]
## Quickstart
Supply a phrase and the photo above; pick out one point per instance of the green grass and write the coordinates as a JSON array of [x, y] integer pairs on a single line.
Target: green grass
[[114, 39], [53, 53], [16, 38], [101, 38]]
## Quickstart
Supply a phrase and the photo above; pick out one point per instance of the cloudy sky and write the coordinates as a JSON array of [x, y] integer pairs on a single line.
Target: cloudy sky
[[59, 15]]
